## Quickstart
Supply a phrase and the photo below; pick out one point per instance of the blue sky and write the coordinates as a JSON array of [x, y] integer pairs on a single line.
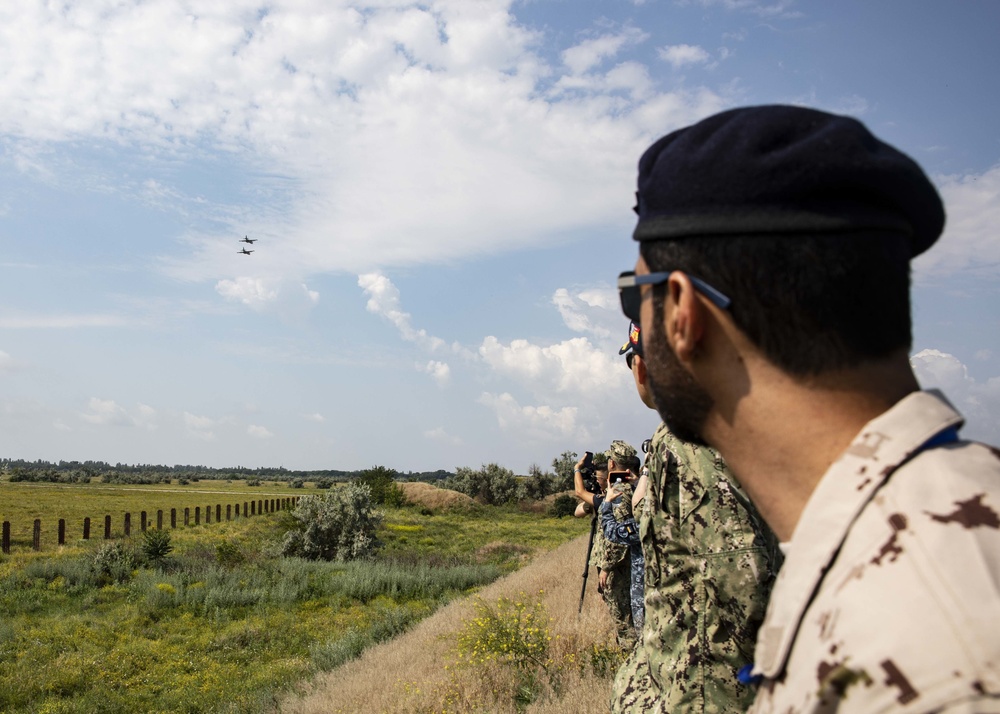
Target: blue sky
[[441, 194]]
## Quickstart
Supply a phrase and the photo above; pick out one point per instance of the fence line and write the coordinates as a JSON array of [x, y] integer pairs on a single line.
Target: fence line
[[250, 508]]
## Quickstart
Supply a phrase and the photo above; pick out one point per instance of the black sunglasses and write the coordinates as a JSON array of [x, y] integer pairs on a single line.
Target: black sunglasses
[[631, 295]]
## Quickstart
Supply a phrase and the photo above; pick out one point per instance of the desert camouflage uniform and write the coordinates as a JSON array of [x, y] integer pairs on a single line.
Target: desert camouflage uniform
[[889, 599], [620, 527], [709, 564]]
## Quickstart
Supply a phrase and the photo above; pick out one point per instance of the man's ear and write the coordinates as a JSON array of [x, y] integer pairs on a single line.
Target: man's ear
[[684, 319], [640, 369]]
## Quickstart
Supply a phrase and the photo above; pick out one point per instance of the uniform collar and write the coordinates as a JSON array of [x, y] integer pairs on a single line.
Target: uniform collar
[[882, 445]]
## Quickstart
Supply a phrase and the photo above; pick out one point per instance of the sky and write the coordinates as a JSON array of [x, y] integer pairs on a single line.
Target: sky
[[440, 194]]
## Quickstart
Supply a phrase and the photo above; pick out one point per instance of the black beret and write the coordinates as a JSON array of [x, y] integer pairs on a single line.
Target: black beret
[[782, 169]]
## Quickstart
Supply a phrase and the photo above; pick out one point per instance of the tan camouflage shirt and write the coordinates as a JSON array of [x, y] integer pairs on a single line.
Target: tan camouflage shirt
[[709, 563], [889, 598]]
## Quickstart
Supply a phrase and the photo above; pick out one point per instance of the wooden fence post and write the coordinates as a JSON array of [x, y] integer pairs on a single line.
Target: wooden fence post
[[208, 514], [5, 544], [187, 517], [159, 519], [36, 535], [229, 511], [62, 531], [128, 524], [86, 528], [142, 521], [173, 517], [253, 508], [107, 528], [218, 512]]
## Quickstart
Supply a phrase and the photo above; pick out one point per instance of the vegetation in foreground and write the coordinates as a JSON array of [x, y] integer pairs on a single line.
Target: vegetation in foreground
[[519, 645], [219, 621]]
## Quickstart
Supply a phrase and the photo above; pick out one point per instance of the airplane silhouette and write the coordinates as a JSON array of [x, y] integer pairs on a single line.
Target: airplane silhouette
[[247, 239], [244, 251]]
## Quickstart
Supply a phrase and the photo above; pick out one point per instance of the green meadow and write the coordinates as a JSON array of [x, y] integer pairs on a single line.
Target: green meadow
[[221, 622]]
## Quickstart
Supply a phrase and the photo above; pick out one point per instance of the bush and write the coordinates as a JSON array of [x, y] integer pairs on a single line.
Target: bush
[[382, 482], [492, 484], [297, 483], [514, 632], [563, 505], [339, 525], [538, 485], [156, 546], [114, 562]]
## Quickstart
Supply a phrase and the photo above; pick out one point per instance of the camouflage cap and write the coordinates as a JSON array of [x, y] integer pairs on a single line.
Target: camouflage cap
[[620, 451]]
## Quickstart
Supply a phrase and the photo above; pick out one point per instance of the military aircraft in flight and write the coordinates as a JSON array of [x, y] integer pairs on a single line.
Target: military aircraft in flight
[[244, 251], [248, 239]]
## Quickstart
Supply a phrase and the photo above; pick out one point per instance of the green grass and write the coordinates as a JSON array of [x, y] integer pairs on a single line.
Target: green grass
[[21, 503], [223, 624]]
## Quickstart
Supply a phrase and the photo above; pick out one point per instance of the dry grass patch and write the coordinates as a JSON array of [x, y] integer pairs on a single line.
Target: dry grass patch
[[437, 499], [421, 671]]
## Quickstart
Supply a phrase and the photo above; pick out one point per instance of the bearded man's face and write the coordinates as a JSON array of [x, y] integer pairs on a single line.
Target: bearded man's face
[[681, 402]]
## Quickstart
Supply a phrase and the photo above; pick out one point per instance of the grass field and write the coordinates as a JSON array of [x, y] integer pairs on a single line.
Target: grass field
[[22, 502], [223, 624]]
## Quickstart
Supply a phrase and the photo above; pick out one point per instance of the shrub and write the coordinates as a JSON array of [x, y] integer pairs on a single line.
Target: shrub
[[564, 505], [228, 553], [538, 484], [114, 562], [297, 483], [156, 545], [514, 632], [492, 484], [339, 525], [382, 482]]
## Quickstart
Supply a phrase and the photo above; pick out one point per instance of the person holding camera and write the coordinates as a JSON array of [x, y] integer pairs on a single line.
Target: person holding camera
[[614, 580]]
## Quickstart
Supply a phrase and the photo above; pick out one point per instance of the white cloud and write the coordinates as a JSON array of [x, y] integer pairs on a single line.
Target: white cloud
[[590, 53], [199, 427], [383, 300], [440, 371], [59, 322], [573, 366], [979, 402], [585, 311], [259, 432], [7, 363], [107, 412], [778, 8], [287, 298], [439, 434], [971, 239], [534, 422], [252, 292], [384, 131], [318, 418], [681, 55]]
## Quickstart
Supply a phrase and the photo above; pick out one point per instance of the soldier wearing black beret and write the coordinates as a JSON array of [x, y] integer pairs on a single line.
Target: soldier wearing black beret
[[773, 289]]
